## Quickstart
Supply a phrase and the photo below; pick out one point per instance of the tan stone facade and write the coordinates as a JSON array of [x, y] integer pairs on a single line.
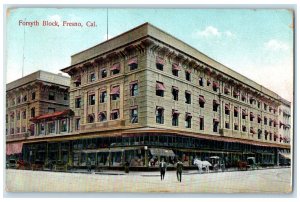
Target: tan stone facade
[[31, 96], [148, 44]]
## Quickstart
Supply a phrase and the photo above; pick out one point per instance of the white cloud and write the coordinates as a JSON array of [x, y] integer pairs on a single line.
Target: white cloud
[[211, 31], [274, 45]]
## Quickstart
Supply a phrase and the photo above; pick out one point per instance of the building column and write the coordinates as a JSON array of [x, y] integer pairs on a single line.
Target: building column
[[85, 107], [96, 104]]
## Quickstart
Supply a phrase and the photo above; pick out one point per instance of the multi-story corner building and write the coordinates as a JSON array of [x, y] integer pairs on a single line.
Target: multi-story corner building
[[31, 96], [145, 94]]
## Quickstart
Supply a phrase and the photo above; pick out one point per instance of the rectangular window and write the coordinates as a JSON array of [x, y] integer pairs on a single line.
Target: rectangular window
[[115, 93], [134, 89], [133, 63], [244, 114], [134, 115], [114, 114], [259, 133], [160, 88], [175, 69], [251, 116], [188, 75], [103, 96], [160, 115], [77, 124], [115, 69], [227, 125], [215, 86], [188, 98], [24, 114], [18, 115], [215, 125], [201, 123], [175, 93], [51, 95], [188, 120], [201, 82], [63, 125], [265, 121], [175, 116], [25, 98], [266, 135], [227, 109], [77, 102], [103, 73], [77, 81], [160, 63], [92, 77], [258, 104], [65, 96], [33, 95], [32, 112], [270, 137], [92, 99], [18, 100], [236, 126], [201, 101], [244, 128], [42, 128], [258, 119], [236, 112], [215, 105], [226, 90], [265, 106], [51, 110], [51, 127]]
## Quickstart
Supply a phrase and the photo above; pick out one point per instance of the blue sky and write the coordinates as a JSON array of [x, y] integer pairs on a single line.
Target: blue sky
[[256, 43]]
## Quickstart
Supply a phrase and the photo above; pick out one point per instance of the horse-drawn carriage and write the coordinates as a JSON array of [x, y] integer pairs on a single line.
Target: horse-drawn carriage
[[214, 163], [249, 163]]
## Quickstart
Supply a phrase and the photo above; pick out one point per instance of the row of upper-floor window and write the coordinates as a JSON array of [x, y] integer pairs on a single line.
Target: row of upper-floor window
[[114, 93], [23, 114], [104, 72], [51, 96], [160, 91], [175, 118], [133, 64], [114, 115]]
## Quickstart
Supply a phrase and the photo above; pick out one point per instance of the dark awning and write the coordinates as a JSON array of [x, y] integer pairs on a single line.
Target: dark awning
[[115, 67], [215, 84], [201, 99], [216, 102], [160, 61], [162, 152], [174, 111], [160, 86], [132, 61], [115, 90], [176, 67]]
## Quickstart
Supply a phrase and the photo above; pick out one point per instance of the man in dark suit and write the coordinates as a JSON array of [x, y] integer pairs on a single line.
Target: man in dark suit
[[179, 168]]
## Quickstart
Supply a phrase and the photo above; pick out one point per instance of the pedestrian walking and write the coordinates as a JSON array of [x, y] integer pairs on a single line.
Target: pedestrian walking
[[163, 168], [179, 168]]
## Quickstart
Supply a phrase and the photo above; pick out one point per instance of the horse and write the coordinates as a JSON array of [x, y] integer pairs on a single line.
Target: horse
[[202, 164]]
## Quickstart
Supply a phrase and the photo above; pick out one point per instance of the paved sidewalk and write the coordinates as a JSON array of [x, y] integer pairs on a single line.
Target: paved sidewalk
[[255, 181]]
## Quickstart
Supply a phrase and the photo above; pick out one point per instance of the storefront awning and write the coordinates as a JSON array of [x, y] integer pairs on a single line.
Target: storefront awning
[[160, 86], [162, 152], [286, 155], [14, 148], [115, 90]]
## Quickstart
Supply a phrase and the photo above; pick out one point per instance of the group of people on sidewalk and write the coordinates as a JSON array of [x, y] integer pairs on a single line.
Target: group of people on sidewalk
[[163, 168]]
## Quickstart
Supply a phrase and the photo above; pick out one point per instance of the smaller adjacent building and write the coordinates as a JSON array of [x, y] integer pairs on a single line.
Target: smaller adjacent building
[[27, 99]]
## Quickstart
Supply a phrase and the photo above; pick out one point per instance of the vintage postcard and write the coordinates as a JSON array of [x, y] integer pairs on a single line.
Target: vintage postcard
[[149, 100]]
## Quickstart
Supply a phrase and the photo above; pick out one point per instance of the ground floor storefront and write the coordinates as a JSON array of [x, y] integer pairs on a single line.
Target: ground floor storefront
[[144, 151]]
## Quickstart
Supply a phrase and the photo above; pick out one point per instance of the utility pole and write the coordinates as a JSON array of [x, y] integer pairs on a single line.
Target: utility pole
[[23, 51]]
